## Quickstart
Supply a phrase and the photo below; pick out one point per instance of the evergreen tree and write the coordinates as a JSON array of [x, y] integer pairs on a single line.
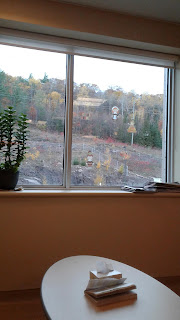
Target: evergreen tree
[[45, 79], [3, 89]]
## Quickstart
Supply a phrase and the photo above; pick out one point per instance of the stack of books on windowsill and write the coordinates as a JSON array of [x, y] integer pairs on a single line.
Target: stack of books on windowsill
[[162, 187], [109, 290], [154, 187]]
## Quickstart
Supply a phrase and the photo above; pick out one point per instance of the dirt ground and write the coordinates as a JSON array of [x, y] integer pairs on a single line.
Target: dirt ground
[[113, 163]]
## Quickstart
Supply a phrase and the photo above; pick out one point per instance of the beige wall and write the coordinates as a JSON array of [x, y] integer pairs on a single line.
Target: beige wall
[[90, 20], [37, 231]]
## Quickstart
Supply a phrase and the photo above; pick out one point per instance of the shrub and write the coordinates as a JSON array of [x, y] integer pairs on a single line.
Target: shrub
[[75, 162], [41, 125], [121, 169], [56, 125], [83, 163]]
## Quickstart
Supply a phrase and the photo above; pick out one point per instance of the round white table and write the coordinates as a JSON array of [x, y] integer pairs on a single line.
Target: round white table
[[63, 298]]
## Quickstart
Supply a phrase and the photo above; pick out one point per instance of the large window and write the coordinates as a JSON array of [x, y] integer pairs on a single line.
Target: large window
[[95, 123]]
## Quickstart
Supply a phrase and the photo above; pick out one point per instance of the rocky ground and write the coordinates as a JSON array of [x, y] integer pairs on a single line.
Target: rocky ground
[[113, 163]]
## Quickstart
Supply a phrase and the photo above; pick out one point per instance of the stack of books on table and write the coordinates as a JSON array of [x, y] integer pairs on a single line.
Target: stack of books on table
[[106, 289]]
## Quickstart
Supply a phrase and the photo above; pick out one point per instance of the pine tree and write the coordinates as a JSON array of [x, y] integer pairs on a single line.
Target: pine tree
[[45, 79]]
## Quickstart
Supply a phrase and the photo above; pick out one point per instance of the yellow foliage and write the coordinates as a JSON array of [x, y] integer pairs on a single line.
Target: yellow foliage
[[32, 80], [121, 169], [35, 82], [140, 112], [98, 165], [32, 156], [98, 180], [55, 95], [41, 125], [118, 94], [107, 163], [54, 98], [44, 181]]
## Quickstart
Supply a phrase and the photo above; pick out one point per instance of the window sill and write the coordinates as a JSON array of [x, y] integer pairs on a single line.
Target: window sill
[[85, 193]]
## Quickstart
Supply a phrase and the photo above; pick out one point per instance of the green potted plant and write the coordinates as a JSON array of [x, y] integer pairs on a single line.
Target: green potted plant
[[13, 138]]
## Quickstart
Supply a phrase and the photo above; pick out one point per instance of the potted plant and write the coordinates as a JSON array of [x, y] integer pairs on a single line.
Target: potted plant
[[13, 138]]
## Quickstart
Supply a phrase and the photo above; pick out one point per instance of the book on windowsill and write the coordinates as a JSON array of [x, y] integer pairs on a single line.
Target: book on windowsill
[[154, 187]]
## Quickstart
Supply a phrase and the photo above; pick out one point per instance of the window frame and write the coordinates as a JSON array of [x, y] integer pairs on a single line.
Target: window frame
[[169, 167], [168, 155]]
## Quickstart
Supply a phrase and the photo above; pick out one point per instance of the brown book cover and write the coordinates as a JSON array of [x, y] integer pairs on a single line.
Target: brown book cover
[[129, 295]]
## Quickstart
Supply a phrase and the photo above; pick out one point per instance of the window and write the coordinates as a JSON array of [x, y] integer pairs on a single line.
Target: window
[[33, 82], [117, 123], [93, 122]]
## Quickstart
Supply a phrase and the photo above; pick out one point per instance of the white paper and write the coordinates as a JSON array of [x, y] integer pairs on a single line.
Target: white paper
[[104, 283], [104, 267]]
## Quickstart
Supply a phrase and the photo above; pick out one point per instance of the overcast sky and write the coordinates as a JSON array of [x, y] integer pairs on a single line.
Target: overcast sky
[[105, 73]]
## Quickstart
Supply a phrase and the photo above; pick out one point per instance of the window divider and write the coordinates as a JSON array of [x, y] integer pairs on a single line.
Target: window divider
[[170, 128], [68, 121]]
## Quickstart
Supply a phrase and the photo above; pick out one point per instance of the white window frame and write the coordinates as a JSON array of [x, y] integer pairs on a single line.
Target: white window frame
[[73, 47]]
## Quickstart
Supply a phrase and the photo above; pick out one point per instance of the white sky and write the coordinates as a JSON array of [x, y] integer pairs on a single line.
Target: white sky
[[105, 73]]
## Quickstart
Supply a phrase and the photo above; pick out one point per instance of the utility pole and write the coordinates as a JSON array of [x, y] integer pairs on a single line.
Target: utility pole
[[132, 128]]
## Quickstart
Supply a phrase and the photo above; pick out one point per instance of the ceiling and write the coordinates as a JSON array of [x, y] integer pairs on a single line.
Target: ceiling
[[168, 10]]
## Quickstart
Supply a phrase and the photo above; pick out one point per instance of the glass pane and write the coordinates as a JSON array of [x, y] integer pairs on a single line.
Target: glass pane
[[117, 123], [33, 82]]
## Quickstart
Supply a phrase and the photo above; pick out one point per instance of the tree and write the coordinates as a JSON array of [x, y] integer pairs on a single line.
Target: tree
[[54, 100], [113, 96], [45, 79], [3, 90], [32, 113]]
